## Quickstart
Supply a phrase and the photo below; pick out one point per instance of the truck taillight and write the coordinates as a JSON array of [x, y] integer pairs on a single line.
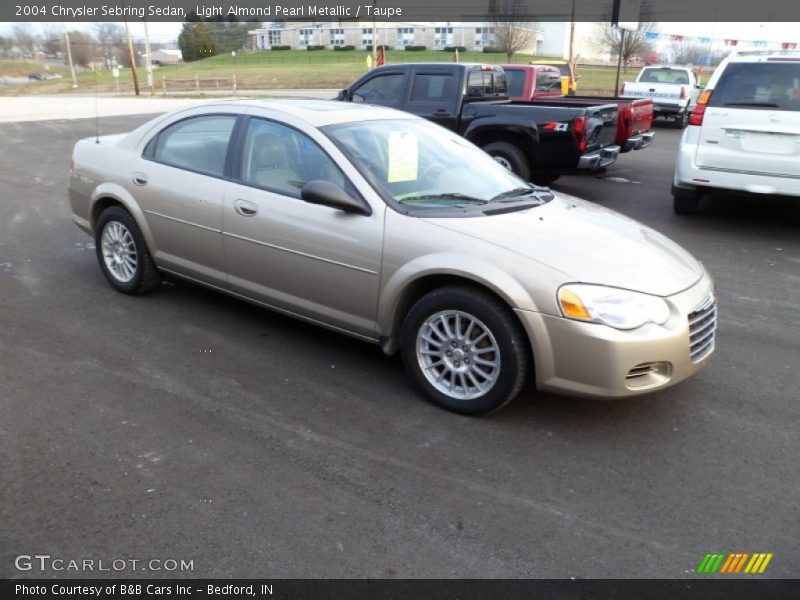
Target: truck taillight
[[696, 118], [683, 93], [579, 131]]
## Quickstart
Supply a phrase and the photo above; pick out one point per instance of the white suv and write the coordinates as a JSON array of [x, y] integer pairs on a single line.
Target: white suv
[[744, 133]]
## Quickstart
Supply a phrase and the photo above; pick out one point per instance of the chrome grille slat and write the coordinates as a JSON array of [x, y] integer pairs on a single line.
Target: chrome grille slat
[[702, 329]]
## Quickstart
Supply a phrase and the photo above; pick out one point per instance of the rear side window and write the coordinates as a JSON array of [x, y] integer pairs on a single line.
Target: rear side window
[[196, 144], [487, 83], [664, 75], [516, 82], [439, 87], [769, 86]]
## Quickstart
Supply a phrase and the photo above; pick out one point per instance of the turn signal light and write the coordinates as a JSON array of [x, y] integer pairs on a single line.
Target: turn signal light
[[572, 306]]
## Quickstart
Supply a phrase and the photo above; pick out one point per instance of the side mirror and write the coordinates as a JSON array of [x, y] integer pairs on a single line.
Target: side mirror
[[357, 98], [700, 86], [327, 193], [343, 95]]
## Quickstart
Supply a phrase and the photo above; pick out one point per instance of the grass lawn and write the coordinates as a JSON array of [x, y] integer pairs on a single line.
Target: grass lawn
[[297, 69]]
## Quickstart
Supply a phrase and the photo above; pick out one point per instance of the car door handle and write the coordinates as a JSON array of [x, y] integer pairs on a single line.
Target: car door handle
[[440, 112], [245, 208], [139, 178]]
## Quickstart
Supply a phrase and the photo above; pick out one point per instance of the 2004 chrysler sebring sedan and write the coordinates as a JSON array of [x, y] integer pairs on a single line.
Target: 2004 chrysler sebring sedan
[[391, 229]]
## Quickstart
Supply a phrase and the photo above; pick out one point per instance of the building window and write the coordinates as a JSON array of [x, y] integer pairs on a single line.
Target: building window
[[366, 36], [443, 36], [274, 37], [484, 36], [337, 37], [405, 36], [306, 37]]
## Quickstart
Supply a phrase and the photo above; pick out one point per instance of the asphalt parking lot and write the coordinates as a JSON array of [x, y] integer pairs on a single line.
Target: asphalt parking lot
[[188, 425]]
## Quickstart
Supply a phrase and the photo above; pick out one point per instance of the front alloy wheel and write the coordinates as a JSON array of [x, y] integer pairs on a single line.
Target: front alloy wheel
[[458, 354], [466, 349]]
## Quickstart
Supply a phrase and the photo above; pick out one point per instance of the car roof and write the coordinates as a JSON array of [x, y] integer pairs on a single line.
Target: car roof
[[764, 55], [319, 113]]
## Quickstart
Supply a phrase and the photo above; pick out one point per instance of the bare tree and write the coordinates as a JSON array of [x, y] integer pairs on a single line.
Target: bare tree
[[636, 44], [84, 48], [52, 40], [111, 42], [691, 53], [513, 29], [24, 39]]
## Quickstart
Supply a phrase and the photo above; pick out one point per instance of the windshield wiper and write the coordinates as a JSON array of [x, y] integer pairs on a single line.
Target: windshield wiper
[[761, 104], [521, 192], [447, 196]]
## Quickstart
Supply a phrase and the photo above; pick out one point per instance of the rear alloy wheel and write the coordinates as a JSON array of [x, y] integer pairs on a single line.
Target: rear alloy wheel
[[511, 157], [465, 349], [123, 254]]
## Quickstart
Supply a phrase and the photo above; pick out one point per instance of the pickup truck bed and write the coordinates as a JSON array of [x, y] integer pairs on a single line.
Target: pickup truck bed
[[537, 141]]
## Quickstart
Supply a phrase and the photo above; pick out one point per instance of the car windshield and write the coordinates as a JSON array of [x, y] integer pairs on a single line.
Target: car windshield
[[416, 163]]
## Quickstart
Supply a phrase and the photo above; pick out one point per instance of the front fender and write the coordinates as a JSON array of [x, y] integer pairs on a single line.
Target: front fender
[[480, 272]]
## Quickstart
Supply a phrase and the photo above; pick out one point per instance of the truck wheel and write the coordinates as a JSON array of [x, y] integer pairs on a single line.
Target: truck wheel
[[681, 121], [545, 178], [123, 254], [511, 157], [465, 349]]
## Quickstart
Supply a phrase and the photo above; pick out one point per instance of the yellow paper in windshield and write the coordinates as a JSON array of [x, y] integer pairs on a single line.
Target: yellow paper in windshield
[[403, 157]]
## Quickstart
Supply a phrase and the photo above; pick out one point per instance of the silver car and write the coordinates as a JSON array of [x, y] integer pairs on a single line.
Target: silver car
[[391, 229]]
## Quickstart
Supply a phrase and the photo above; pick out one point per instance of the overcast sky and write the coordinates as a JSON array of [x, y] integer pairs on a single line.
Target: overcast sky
[[771, 32]]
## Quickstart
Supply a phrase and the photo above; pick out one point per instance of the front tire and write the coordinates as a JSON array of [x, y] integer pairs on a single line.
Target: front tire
[[123, 254], [511, 157], [465, 349]]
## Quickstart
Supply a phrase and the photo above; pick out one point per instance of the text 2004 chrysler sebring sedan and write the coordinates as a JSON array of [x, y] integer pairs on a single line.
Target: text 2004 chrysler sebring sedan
[[391, 229]]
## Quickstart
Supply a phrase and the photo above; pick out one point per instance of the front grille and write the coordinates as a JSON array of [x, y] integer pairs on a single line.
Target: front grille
[[702, 327]]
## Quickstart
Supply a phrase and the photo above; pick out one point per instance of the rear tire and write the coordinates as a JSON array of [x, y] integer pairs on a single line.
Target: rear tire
[[685, 205], [681, 121], [123, 254], [511, 157], [465, 349]]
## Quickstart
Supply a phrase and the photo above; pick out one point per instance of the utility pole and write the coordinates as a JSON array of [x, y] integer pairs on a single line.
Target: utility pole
[[572, 37], [149, 66], [132, 57], [374, 36], [69, 58]]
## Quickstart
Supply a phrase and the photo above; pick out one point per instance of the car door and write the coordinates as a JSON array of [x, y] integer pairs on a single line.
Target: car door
[[434, 94], [752, 122], [311, 260], [179, 182]]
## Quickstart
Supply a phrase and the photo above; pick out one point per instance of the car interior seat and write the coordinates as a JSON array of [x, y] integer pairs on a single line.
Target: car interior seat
[[270, 166]]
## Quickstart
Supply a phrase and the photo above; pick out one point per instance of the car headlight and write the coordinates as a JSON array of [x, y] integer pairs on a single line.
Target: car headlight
[[621, 309]]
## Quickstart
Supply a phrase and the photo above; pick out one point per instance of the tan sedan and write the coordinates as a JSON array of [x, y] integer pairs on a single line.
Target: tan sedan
[[391, 229]]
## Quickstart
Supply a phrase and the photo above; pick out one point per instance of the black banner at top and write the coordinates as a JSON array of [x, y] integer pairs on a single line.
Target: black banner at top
[[397, 10]]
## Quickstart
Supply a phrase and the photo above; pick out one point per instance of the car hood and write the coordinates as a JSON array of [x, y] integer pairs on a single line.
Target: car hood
[[588, 243]]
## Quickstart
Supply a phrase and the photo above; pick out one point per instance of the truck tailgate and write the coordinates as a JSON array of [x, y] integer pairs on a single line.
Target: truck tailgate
[[655, 91], [641, 116]]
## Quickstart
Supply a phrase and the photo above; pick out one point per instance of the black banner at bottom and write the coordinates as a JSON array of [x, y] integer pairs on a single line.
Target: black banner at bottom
[[400, 589]]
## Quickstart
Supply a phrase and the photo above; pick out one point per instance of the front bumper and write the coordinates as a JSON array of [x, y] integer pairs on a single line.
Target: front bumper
[[599, 159], [640, 141], [594, 360]]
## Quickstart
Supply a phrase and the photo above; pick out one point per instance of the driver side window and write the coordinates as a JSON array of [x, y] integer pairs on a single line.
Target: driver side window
[[282, 160], [382, 89]]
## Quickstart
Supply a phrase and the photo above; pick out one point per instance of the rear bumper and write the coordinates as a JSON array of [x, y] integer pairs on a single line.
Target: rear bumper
[[593, 360], [599, 159], [669, 110], [640, 141], [691, 179]]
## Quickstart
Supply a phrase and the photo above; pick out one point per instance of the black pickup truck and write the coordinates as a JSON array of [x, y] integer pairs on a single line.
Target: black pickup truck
[[537, 142]]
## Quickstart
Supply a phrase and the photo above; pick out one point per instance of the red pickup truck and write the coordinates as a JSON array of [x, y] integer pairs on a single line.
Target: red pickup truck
[[541, 84]]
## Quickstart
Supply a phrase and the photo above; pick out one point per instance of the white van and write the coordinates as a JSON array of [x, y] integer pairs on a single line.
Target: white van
[[744, 133]]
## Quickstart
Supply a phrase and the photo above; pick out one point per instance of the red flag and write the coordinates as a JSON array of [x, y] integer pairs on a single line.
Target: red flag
[[731, 42], [380, 58], [789, 45]]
